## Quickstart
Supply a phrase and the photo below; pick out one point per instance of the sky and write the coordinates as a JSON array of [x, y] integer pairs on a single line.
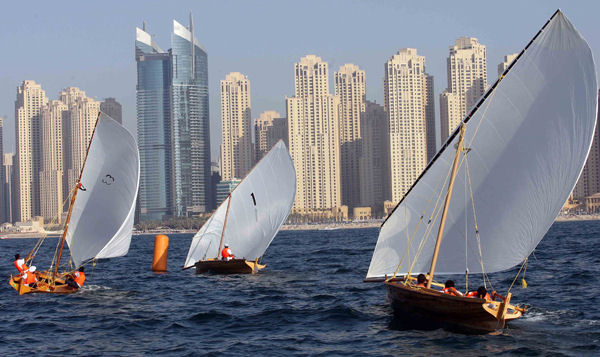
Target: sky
[[90, 44]]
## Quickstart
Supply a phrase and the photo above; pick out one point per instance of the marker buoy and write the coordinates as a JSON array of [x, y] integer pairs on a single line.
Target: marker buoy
[[161, 250]]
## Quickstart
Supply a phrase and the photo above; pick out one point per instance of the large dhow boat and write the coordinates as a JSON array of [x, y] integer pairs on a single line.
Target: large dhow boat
[[100, 218], [494, 189], [248, 219]]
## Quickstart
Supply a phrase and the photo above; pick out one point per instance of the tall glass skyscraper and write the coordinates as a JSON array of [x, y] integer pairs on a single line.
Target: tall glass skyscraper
[[153, 127], [173, 125], [190, 123]]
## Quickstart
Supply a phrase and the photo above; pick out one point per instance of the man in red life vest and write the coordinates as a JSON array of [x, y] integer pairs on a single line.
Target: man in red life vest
[[20, 264], [77, 279], [226, 254], [29, 277], [450, 289], [482, 293]]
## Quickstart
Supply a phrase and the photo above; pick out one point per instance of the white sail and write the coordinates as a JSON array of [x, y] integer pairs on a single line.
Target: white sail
[[205, 243], [259, 205], [527, 143], [102, 219]]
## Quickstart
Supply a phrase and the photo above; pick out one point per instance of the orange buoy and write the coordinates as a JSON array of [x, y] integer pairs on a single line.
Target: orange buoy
[[161, 250]]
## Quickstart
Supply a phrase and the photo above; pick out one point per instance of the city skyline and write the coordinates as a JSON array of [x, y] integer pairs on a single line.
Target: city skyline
[[105, 68]]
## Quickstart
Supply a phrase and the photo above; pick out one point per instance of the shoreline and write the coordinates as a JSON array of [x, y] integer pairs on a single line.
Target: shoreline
[[286, 227]]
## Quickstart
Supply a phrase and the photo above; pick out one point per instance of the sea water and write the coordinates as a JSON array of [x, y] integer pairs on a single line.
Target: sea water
[[310, 300]]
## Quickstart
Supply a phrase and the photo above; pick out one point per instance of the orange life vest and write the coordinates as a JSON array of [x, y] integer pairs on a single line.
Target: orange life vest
[[30, 278], [449, 291], [20, 265], [473, 294], [226, 253], [79, 278]]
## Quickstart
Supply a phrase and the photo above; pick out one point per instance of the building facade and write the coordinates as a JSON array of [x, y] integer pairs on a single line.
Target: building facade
[[467, 82], [589, 180], [8, 185], [269, 128], [190, 123], [507, 61], [405, 101], [236, 134], [350, 88], [113, 109], [153, 105], [51, 174], [313, 137], [31, 99], [375, 158], [173, 125]]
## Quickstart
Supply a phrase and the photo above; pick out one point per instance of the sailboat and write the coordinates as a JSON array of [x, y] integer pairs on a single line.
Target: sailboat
[[497, 184], [100, 218], [248, 219]]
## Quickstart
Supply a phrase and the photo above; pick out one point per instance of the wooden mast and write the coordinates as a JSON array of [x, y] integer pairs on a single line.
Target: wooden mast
[[224, 225], [438, 242], [77, 187]]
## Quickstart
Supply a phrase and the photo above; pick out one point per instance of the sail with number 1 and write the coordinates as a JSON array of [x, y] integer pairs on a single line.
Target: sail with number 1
[[248, 219], [497, 184], [100, 217]]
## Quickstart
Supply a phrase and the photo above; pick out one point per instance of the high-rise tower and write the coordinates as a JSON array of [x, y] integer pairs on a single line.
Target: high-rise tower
[[236, 134], [153, 127], [467, 81], [350, 88], [113, 109], [190, 123], [314, 137], [405, 96], [28, 107], [269, 128]]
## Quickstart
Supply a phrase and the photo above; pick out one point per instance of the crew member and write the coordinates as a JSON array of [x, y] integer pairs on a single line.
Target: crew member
[[77, 279], [421, 281], [29, 277], [450, 289], [20, 264], [482, 293], [226, 254]]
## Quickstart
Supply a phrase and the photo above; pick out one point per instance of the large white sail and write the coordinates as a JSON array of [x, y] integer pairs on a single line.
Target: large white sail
[[527, 143], [102, 219], [259, 205]]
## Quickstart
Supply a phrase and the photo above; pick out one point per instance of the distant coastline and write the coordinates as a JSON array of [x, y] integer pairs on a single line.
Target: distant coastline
[[286, 227]]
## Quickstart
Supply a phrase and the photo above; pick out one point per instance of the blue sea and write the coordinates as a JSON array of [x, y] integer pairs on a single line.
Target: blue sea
[[310, 300]]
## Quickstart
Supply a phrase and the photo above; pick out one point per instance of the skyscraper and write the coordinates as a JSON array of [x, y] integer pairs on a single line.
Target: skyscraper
[[374, 160], [190, 123], [113, 109], [269, 128], [507, 61], [8, 185], [236, 133], [51, 174], [173, 125], [153, 127], [83, 114], [589, 180], [3, 196], [405, 96], [350, 87], [467, 81], [28, 106], [314, 137]]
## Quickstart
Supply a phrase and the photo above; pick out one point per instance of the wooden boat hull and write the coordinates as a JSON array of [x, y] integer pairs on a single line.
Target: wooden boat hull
[[44, 285], [234, 266], [434, 309]]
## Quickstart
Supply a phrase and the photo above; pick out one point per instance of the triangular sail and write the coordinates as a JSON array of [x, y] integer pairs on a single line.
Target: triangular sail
[[526, 145], [102, 220], [259, 205]]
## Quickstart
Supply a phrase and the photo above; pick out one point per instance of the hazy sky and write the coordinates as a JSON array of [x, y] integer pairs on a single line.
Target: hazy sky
[[90, 44]]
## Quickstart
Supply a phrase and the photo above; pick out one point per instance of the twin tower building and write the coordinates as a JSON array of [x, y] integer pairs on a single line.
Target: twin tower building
[[353, 157]]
